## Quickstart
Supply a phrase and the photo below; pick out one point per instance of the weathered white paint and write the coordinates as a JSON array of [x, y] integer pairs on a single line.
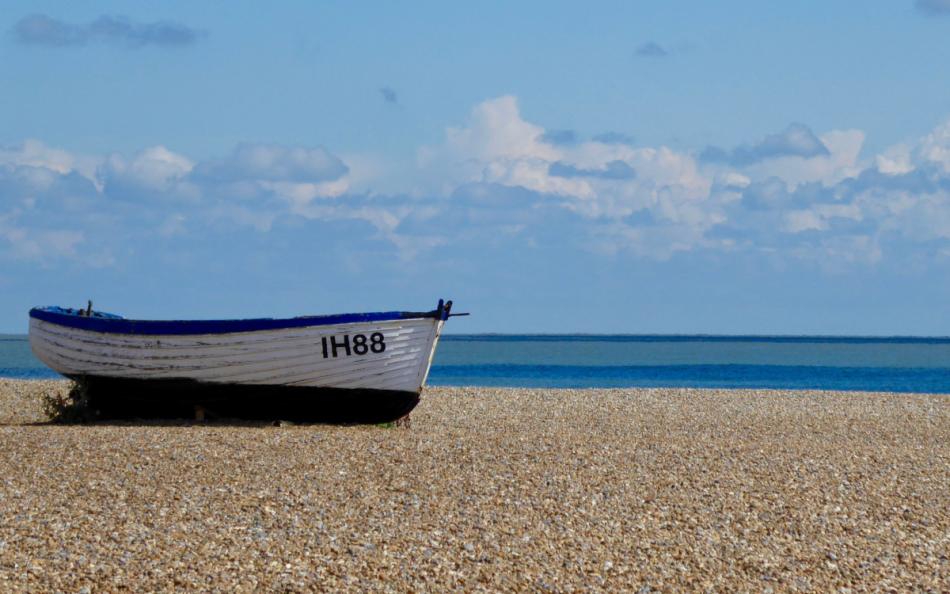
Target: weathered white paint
[[291, 356]]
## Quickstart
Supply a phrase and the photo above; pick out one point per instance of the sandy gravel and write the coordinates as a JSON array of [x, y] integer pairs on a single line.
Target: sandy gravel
[[560, 490]]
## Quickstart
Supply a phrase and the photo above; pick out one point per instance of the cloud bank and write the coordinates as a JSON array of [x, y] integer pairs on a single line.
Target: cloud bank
[[498, 179]]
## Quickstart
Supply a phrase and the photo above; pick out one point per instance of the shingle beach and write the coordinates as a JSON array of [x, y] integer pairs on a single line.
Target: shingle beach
[[489, 490]]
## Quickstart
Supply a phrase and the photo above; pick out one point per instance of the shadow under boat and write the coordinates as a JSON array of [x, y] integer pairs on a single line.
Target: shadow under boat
[[108, 398]]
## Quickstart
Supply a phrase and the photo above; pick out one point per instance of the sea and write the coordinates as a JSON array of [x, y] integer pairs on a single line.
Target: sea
[[893, 364]]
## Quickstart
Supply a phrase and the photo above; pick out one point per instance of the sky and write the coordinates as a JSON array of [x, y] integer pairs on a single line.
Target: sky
[[605, 167]]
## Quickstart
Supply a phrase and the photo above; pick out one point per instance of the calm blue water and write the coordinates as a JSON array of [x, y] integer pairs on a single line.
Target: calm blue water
[[579, 361]]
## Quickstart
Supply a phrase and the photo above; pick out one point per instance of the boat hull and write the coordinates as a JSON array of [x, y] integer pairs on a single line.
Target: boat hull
[[354, 367]]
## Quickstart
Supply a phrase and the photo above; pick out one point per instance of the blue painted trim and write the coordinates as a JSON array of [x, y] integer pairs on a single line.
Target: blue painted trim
[[113, 324]]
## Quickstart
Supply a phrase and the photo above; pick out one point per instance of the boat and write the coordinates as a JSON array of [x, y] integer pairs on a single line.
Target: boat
[[362, 367]]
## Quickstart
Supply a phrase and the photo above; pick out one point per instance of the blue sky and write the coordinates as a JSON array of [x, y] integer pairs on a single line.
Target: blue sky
[[729, 167]]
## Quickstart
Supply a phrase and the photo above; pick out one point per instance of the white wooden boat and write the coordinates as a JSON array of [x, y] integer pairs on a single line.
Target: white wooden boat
[[348, 367]]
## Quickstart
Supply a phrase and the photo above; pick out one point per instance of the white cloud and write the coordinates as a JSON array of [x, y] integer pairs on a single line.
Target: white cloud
[[259, 174], [591, 179], [935, 147], [33, 153], [302, 194], [39, 245], [154, 167], [496, 131], [273, 163], [653, 242], [499, 146], [923, 218], [838, 162], [155, 173], [797, 221], [895, 160]]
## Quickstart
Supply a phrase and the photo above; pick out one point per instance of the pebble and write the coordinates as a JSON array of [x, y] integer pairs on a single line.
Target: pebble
[[638, 490]]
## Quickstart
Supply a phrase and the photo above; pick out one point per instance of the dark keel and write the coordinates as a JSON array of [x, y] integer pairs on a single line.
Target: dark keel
[[116, 398]]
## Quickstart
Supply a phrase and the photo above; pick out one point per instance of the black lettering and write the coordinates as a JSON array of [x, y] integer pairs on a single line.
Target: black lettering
[[324, 341], [377, 344], [359, 344], [345, 344]]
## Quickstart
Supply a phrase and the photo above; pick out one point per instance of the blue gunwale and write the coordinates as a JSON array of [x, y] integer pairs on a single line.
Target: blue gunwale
[[113, 324]]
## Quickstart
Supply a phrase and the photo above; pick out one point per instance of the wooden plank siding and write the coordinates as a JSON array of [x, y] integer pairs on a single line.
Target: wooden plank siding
[[290, 356]]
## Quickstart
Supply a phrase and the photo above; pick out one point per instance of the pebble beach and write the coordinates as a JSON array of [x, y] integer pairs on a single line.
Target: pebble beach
[[641, 490]]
